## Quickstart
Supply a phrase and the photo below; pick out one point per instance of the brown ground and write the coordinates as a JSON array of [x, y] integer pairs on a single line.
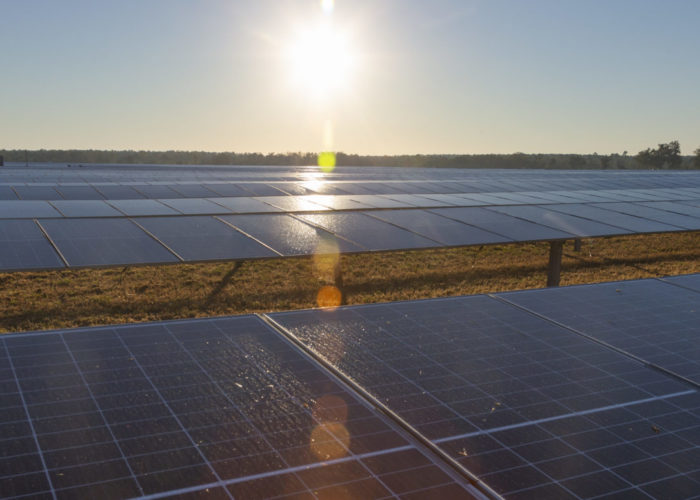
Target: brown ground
[[60, 299]]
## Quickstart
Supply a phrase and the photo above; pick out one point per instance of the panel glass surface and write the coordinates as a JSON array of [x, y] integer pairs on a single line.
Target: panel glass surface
[[446, 231], [117, 192], [214, 408], [79, 193], [194, 206], [104, 242], [625, 221], [505, 225], [227, 190], [26, 209], [203, 238], [557, 220], [532, 409], [678, 208], [650, 319], [157, 191], [379, 201], [23, 246], [244, 205], [142, 207], [293, 203], [261, 189], [86, 208], [37, 193], [290, 236], [368, 231], [691, 281], [192, 190], [678, 220], [6, 193]]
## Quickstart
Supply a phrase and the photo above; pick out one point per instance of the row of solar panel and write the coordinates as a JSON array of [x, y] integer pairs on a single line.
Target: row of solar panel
[[32, 244], [27, 209], [128, 191], [522, 389], [479, 179]]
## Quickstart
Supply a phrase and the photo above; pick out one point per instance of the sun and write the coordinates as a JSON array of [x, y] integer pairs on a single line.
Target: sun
[[321, 60]]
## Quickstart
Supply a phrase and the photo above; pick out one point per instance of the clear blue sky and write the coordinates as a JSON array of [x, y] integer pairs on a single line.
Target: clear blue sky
[[439, 76]]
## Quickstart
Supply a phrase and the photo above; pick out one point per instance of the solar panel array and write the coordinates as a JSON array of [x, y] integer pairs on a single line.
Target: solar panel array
[[147, 214], [575, 392], [518, 389]]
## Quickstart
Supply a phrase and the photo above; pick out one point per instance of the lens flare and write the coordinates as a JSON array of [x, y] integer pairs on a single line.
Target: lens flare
[[327, 6], [326, 161], [330, 408], [329, 296], [330, 441]]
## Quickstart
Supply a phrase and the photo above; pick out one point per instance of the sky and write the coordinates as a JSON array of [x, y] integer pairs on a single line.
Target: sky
[[358, 76]]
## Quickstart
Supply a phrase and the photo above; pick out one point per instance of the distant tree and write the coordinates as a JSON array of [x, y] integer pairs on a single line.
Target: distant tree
[[697, 158], [665, 156]]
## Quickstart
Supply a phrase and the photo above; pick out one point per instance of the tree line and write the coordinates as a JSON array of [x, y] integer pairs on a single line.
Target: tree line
[[665, 156]]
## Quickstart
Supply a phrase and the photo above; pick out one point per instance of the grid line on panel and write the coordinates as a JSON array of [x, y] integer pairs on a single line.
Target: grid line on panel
[[229, 338], [29, 420], [158, 240], [676, 283], [167, 405], [52, 243], [99, 410], [562, 417], [381, 407], [249, 236], [641, 360]]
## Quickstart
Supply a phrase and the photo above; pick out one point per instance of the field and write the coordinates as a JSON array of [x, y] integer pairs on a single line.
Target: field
[[72, 298]]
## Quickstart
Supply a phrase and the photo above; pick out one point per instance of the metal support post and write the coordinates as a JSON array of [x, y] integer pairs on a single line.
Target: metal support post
[[554, 269], [577, 245]]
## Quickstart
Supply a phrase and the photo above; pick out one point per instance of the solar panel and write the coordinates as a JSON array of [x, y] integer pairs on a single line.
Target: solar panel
[[293, 203], [568, 223], [37, 193], [290, 236], [655, 321], [117, 192], [79, 193], [601, 214], [157, 191], [193, 206], [218, 408], [446, 231], [104, 242], [203, 238], [260, 189], [23, 246], [192, 190], [86, 208], [135, 207], [369, 232], [678, 208], [532, 409], [639, 210], [7, 193], [244, 205], [29, 209], [227, 190], [504, 225], [691, 281]]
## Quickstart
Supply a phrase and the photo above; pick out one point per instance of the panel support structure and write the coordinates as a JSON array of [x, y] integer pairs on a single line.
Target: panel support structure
[[577, 245], [554, 269]]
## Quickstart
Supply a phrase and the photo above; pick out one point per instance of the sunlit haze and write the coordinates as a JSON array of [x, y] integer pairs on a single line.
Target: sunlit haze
[[359, 76]]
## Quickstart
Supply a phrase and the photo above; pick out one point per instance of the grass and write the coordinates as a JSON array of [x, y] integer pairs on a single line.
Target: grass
[[71, 298]]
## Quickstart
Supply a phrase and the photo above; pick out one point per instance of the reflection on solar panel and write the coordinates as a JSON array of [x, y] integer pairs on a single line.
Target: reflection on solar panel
[[532, 408], [220, 408]]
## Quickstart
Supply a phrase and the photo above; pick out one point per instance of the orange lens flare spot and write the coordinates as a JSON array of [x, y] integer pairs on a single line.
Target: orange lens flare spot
[[330, 441], [329, 296]]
